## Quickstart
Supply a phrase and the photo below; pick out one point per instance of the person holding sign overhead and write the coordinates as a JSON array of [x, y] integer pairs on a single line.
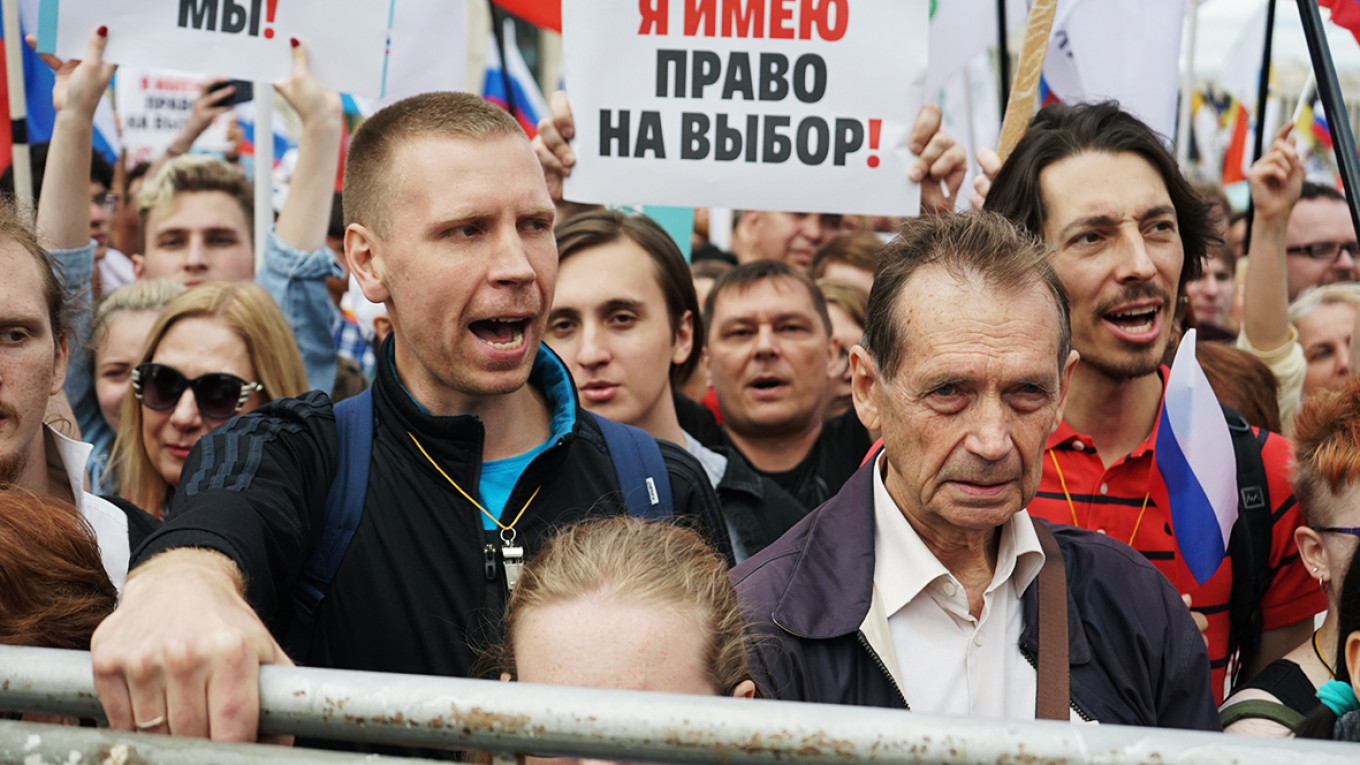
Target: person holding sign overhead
[[197, 217], [789, 237]]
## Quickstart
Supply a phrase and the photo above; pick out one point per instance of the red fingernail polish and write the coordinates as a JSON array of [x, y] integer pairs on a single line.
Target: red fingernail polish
[[293, 41], [103, 32]]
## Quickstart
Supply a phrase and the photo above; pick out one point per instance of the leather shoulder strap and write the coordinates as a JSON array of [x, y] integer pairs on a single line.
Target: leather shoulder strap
[[1053, 693]]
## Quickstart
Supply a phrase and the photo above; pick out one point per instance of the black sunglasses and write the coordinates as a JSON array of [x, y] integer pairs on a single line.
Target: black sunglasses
[[218, 394]]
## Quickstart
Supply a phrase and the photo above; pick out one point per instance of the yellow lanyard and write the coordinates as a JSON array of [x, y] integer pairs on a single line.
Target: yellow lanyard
[[1073, 508], [512, 555], [468, 497]]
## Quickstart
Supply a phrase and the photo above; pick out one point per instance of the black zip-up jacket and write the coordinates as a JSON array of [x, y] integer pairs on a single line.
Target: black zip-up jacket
[[414, 592], [756, 509], [1136, 656]]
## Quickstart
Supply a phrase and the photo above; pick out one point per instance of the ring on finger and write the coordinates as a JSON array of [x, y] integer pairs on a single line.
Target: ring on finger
[[154, 722]]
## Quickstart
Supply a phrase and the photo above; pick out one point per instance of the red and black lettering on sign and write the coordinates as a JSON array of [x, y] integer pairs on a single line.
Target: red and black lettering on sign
[[231, 16], [775, 19], [762, 77]]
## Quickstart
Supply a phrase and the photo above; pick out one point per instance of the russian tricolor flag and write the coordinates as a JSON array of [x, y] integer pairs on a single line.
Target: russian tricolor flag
[[38, 82], [1194, 453], [525, 100]]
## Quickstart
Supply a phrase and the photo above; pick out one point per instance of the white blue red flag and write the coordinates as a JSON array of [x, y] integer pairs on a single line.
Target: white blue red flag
[[1194, 454], [1129, 51], [38, 82], [510, 85]]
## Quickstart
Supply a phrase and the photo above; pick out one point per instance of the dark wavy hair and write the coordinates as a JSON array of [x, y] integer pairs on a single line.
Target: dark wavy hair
[[1060, 131]]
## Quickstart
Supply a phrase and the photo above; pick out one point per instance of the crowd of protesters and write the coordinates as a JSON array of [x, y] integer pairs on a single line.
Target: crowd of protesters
[[852, 460]]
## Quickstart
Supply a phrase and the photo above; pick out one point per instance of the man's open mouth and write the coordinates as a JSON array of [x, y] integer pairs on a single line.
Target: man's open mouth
[[1134, 320], [767, 384], [501, 334]]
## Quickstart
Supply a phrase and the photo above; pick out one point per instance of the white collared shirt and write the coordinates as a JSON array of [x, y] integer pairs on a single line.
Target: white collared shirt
[[108, 521], [954, 664]]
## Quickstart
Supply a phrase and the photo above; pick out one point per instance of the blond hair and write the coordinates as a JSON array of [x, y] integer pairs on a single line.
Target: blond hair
[[1313, 298], [249, 311], [848, 297], [145, 295], [367, 196], [195, 172], [643, 562]]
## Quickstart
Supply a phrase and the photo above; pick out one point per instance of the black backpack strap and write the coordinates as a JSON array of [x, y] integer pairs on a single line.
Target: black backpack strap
[[1249, 544], [642, 474], [343, 510]]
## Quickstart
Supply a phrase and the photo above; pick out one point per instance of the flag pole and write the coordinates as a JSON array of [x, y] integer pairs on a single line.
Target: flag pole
[[1003, 53], [18, 110], [264, 168], [1263, 83], [498, 29], [1262, 93], [1025, 91], [1329, 91], [1183, 138]]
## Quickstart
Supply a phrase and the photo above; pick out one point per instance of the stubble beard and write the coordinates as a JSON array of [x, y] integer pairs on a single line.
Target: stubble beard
[[12, 465]]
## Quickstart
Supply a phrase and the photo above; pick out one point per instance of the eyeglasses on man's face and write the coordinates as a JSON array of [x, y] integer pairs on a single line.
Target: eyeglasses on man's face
[[1326, 252]]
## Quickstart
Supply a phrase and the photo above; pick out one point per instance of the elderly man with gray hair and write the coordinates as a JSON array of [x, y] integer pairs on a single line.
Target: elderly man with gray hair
[[924, 584]]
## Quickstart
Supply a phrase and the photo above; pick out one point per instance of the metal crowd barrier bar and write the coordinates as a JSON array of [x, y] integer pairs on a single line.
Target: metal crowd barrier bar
[[40, 744], [655, 727]]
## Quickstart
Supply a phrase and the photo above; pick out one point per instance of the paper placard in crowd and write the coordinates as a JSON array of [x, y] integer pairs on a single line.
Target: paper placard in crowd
[[754, 104], [429, 48], [243, 39], [153, 105]]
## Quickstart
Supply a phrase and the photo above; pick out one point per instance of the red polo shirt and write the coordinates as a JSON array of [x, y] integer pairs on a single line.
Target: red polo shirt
[[1112, 501]]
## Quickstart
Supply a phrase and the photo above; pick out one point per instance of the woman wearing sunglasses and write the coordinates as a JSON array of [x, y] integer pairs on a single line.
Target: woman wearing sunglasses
[[219, 350]]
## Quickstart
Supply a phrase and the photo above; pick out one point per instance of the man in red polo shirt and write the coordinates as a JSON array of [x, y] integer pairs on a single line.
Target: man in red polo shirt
[[1128, 233]]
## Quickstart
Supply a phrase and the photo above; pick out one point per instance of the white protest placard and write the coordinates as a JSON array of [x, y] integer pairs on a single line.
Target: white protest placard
[[800, 105], [243, 39], [153, 105], [429, 48]]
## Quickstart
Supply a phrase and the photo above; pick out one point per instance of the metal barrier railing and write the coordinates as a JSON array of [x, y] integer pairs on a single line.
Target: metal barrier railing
[[652, 727]]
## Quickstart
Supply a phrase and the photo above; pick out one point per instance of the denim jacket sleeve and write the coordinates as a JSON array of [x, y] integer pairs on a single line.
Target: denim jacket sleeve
[[297, 282], [76, 269]]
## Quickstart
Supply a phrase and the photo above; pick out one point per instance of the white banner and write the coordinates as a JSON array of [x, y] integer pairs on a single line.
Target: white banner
[[152, 107], [244, 39], [1115, 49], [429, 48], [800, 105]]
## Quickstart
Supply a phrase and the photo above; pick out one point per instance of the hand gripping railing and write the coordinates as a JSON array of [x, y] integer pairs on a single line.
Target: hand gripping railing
[[651, 727]]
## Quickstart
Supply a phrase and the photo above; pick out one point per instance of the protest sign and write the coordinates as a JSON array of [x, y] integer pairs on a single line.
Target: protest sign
[[429, 48], [245, 39], [753, 104], [153, 105]]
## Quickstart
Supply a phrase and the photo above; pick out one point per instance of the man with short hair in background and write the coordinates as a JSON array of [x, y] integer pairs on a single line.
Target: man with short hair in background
[[769, 356]]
